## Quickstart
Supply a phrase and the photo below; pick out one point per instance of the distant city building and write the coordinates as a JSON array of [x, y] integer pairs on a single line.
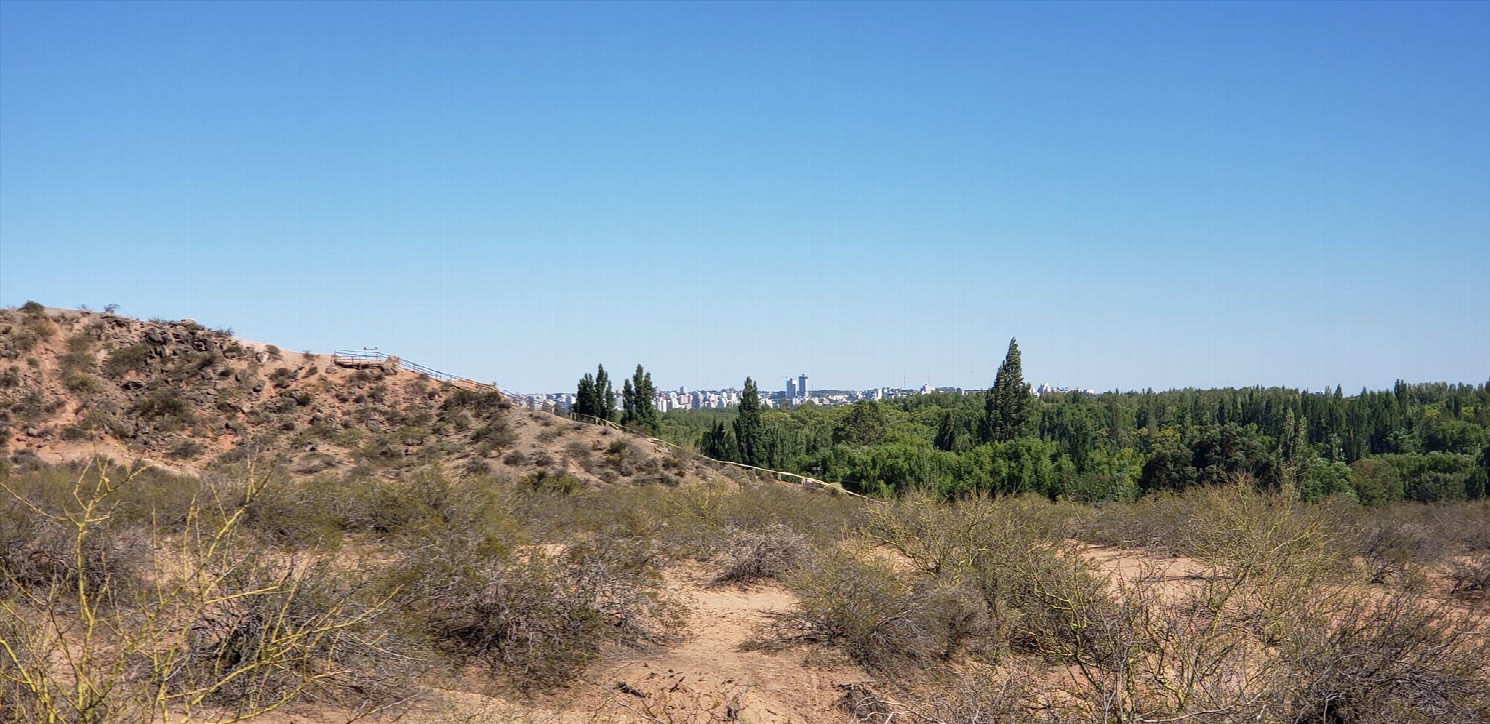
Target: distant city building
[[791, 389], [802, 387]]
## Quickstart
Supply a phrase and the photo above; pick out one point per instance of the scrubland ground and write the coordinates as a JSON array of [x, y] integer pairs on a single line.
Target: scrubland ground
[[444, 596]]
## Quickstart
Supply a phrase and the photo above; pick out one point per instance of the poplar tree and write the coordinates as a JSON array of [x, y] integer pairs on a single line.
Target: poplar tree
[[749, 428], [605, 403], [646, 410], [628, 403], [636, 400], [1008, 406]]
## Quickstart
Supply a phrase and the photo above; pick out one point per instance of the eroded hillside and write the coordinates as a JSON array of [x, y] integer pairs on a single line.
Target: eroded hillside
[[185, 397]]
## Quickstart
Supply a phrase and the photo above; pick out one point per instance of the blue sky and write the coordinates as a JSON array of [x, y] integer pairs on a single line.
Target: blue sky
[[1146, 195]]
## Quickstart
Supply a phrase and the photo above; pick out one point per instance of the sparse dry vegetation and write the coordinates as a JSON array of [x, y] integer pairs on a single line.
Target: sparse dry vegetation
[[354, 544]]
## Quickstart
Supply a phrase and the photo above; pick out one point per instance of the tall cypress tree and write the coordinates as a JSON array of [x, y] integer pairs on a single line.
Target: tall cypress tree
[[584, 397], [605, 403], [646, 410], [636, 399], [749, 429], [1008, 406], [628, 403]]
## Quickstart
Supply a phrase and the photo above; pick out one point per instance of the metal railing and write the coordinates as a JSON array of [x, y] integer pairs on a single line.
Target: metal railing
[[368, 356], [778, 475]]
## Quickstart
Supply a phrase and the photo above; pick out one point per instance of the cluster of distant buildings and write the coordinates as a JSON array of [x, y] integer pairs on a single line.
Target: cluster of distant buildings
[[663, 400], [798, 392], [1045, 389]]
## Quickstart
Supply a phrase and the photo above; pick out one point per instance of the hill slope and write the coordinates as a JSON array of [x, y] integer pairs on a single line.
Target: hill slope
[[181, 396]]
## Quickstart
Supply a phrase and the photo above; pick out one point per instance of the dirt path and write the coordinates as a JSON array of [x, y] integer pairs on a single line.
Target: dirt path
[[709, 677]]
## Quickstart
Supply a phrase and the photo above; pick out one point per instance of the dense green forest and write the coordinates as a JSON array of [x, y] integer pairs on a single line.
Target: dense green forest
[[1422, 442]]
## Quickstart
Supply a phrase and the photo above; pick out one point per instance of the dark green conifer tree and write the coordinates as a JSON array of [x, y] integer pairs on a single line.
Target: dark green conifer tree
[[1008, 407], [605, 403], [637, 406], [719, 443], [584, 397], [628, 404], [749, 428], [644, 411]]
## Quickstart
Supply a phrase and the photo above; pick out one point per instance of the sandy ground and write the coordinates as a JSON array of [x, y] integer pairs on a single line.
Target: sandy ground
[[711, 677]]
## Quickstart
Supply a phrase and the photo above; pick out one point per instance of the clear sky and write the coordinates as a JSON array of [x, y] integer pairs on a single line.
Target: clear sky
[[1146, 195]]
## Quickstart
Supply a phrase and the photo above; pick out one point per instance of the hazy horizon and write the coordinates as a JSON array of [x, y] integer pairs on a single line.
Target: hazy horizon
[[1145, 195]]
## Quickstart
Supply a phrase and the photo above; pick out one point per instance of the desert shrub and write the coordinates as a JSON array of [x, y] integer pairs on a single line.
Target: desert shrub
[[1370, 660], [860, 605], [133, 358], [579, 452], [282, 377], [538, 617], [625, 457], [43, 552], [273, 352], [26, 459], [40, 518], [551, 482], [22, 340], [323, 507], [1007, 696], [822, 517], [1470, 578], [761, 555], [80, 382], [165, 406], [495, 435], [75, 433], [882, 621], [31, 405], [675, 463], [955, 617], [187, 450], [515, 457], [311, 611], [212, 624], [77, 364], [1392, 548], [10, 378], [37, 325]]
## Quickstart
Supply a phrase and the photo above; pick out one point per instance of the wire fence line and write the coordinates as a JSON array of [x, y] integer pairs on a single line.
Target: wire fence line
[[372, 358]]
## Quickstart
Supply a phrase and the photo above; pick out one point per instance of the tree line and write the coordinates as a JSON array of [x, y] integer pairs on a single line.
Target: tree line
[[1424, 442], [595, 397]]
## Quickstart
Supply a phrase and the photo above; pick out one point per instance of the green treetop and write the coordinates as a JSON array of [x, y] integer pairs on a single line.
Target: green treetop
[[1008, 407]]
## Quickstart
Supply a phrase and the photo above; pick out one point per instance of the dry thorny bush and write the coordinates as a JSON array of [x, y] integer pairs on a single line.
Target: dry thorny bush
[[202, 628], [1277, 629]]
